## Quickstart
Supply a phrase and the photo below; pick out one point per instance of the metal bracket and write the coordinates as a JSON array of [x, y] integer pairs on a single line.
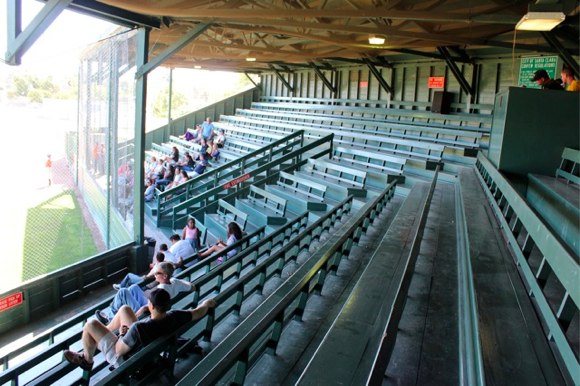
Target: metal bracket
[[378, 75], [571, 63], [20, 41], [252, 80], [325, 80], [282, 79], [456, 72], [169, 51], [426, 54]]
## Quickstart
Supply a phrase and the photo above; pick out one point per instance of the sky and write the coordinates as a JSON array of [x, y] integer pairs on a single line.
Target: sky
[[59, 47]]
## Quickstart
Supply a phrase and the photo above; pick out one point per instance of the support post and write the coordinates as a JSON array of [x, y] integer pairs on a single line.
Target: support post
[[378, 76], [169, 102], [14, 25], [139, 174]]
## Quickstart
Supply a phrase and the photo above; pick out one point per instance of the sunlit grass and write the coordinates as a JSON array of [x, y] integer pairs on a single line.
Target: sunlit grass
[[55, 236]]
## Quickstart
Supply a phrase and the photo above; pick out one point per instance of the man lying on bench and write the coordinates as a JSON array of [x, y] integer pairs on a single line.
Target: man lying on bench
[[133, 334]]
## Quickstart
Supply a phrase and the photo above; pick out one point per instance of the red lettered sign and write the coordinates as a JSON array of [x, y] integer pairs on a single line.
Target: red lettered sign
[[10, 301], [436, 82], [235, 181]]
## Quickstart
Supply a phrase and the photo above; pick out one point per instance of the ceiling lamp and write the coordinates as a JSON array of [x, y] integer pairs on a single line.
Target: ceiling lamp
[[376, 40], [250, 59], [540, 21], [197, 67], [541, 16]]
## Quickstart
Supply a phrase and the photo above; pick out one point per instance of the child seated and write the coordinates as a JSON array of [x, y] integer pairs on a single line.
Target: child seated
[[215, 152]]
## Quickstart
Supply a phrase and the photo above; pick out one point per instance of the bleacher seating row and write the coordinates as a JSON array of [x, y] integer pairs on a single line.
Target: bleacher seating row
[[220, 175], [181, 211], [239, 349], [542, 257], [351, 343]]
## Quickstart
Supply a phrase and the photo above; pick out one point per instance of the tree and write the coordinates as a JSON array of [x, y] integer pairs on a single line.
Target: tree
[[33, 87], [179, 104]]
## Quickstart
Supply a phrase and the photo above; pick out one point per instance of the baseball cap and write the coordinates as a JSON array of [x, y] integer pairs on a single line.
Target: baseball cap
[[539, 75], [160, 299]]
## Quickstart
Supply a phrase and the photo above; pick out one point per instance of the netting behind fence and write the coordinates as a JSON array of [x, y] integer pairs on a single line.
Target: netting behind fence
[[104, 142]]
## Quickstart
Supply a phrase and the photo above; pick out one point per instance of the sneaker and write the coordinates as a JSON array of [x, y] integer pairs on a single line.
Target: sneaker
[[77, 359], [101, 317], [116, 287]]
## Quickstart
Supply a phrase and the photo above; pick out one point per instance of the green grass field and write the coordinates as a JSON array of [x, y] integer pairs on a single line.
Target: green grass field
[[55, 236]]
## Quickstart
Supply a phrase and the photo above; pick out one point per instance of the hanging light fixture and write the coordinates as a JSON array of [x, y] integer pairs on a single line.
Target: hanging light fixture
[[250, 59], [376, 40], [541, 17]]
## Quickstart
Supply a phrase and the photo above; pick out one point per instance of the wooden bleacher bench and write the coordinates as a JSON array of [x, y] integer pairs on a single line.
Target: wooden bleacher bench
[[217, 223], [187, 145], [431, 153], [246, 133], [310, 189], [482, 121], [450, 135], [353, 181], [569, 168], [263, 207], [408, 105], [301, 195], [368, 159]]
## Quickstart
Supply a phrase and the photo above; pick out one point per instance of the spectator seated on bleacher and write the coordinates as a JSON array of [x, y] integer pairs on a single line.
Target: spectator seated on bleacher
[[201, 165], [197, 134], [135, 297], [191, 134], [203, 149], [180, 178], [150, 167], [168, 256], [134, 334], [234, 234], [177, 177], [158, 170], [132, 278], [215, 152], [191, 233], [174, 157], [180, 249], [188, 163], [167, 178], [149, 190], [221, 138]]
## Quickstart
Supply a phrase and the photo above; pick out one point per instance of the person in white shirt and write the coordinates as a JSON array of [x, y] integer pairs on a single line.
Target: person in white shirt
[[181, 249], [136, 298]]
